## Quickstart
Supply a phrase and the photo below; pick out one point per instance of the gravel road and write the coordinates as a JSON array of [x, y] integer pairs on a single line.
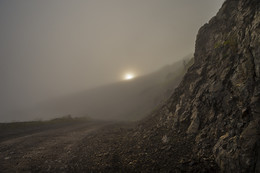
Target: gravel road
[[45, 150]]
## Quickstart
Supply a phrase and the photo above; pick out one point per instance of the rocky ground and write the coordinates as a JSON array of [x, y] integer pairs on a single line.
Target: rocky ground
[[99, 147], [121, 149], [46, 150]]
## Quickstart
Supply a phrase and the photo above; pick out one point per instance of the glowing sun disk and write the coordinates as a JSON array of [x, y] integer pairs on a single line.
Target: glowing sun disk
[[128, 76]]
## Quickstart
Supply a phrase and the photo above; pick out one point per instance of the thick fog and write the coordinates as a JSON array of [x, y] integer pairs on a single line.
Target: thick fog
[[55, 48]]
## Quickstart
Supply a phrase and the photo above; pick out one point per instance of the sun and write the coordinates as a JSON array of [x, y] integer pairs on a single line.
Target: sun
[[129, 76]]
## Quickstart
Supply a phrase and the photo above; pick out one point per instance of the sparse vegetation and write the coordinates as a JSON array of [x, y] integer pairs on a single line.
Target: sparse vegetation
[[230, 41]]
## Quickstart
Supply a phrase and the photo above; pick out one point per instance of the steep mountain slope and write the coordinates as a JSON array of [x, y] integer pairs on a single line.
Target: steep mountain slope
[[218, 99], [126, 100], [211, 122]]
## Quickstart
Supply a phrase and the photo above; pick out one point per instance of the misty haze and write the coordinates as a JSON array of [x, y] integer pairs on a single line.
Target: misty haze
[[52, 49], [129, 86]]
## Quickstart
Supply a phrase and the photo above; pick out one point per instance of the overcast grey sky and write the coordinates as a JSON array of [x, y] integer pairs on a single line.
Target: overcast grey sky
[[53, 47]]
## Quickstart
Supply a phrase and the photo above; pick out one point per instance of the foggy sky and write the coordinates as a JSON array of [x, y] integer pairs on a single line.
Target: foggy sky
[[54, 47]]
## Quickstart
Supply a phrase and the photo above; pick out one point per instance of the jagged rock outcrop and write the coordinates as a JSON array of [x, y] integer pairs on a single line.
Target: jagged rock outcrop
[[211, 122], [218, 99]]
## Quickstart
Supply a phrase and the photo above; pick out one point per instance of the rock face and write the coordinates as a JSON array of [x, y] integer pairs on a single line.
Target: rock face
[[218, 99], [211, 122], [218, 102]]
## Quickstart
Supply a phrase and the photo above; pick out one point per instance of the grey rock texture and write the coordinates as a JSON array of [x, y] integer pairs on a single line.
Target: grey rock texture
[[218, 99]]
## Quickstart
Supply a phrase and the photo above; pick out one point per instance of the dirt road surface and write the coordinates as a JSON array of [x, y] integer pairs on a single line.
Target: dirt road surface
[[45, 150]]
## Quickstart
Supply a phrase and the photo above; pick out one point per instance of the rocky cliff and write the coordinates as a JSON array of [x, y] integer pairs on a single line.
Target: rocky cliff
[[218, 100], [211, 122]]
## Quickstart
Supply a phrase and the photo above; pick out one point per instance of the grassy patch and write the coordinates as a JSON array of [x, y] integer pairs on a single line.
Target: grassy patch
[[230, 41]]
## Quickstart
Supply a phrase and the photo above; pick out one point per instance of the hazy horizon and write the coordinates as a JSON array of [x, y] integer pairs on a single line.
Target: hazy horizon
[[53, 48]]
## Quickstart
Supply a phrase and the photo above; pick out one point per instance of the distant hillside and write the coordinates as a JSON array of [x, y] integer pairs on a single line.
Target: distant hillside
[[126, 100]]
